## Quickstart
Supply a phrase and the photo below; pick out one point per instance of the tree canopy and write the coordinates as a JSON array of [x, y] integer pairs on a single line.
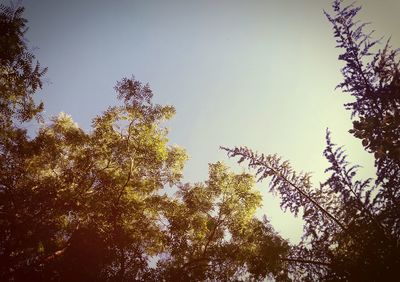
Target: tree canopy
[[94, 205], [351, 230], [82, 205], [20, 74]]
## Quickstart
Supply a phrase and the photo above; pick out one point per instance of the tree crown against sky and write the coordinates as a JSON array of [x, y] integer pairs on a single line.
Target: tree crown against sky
[[89, 206], [79, 205], [351, 227], [21, 75]]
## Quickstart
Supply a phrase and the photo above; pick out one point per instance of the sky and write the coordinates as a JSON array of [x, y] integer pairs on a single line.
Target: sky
[[260, 74]]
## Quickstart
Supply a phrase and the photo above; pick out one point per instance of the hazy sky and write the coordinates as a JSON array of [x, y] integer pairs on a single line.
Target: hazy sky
[[254, 73]]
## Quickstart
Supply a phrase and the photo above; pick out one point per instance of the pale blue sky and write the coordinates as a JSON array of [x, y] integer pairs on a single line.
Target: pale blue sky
[[254, 73]]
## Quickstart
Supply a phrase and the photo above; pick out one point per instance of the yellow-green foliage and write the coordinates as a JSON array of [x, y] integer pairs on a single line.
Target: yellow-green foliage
[[80, 205]]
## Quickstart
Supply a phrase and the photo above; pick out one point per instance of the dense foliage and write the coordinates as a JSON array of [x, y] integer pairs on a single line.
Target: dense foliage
[[20, 74], [90, 206], [351, 230], [218, 237]]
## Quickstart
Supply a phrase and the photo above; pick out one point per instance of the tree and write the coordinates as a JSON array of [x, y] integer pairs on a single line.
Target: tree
[[375, 85], [20, 75], [65, 190], [351, 227], [213, 234], [89, 206], [73, 187], [20, 78]]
